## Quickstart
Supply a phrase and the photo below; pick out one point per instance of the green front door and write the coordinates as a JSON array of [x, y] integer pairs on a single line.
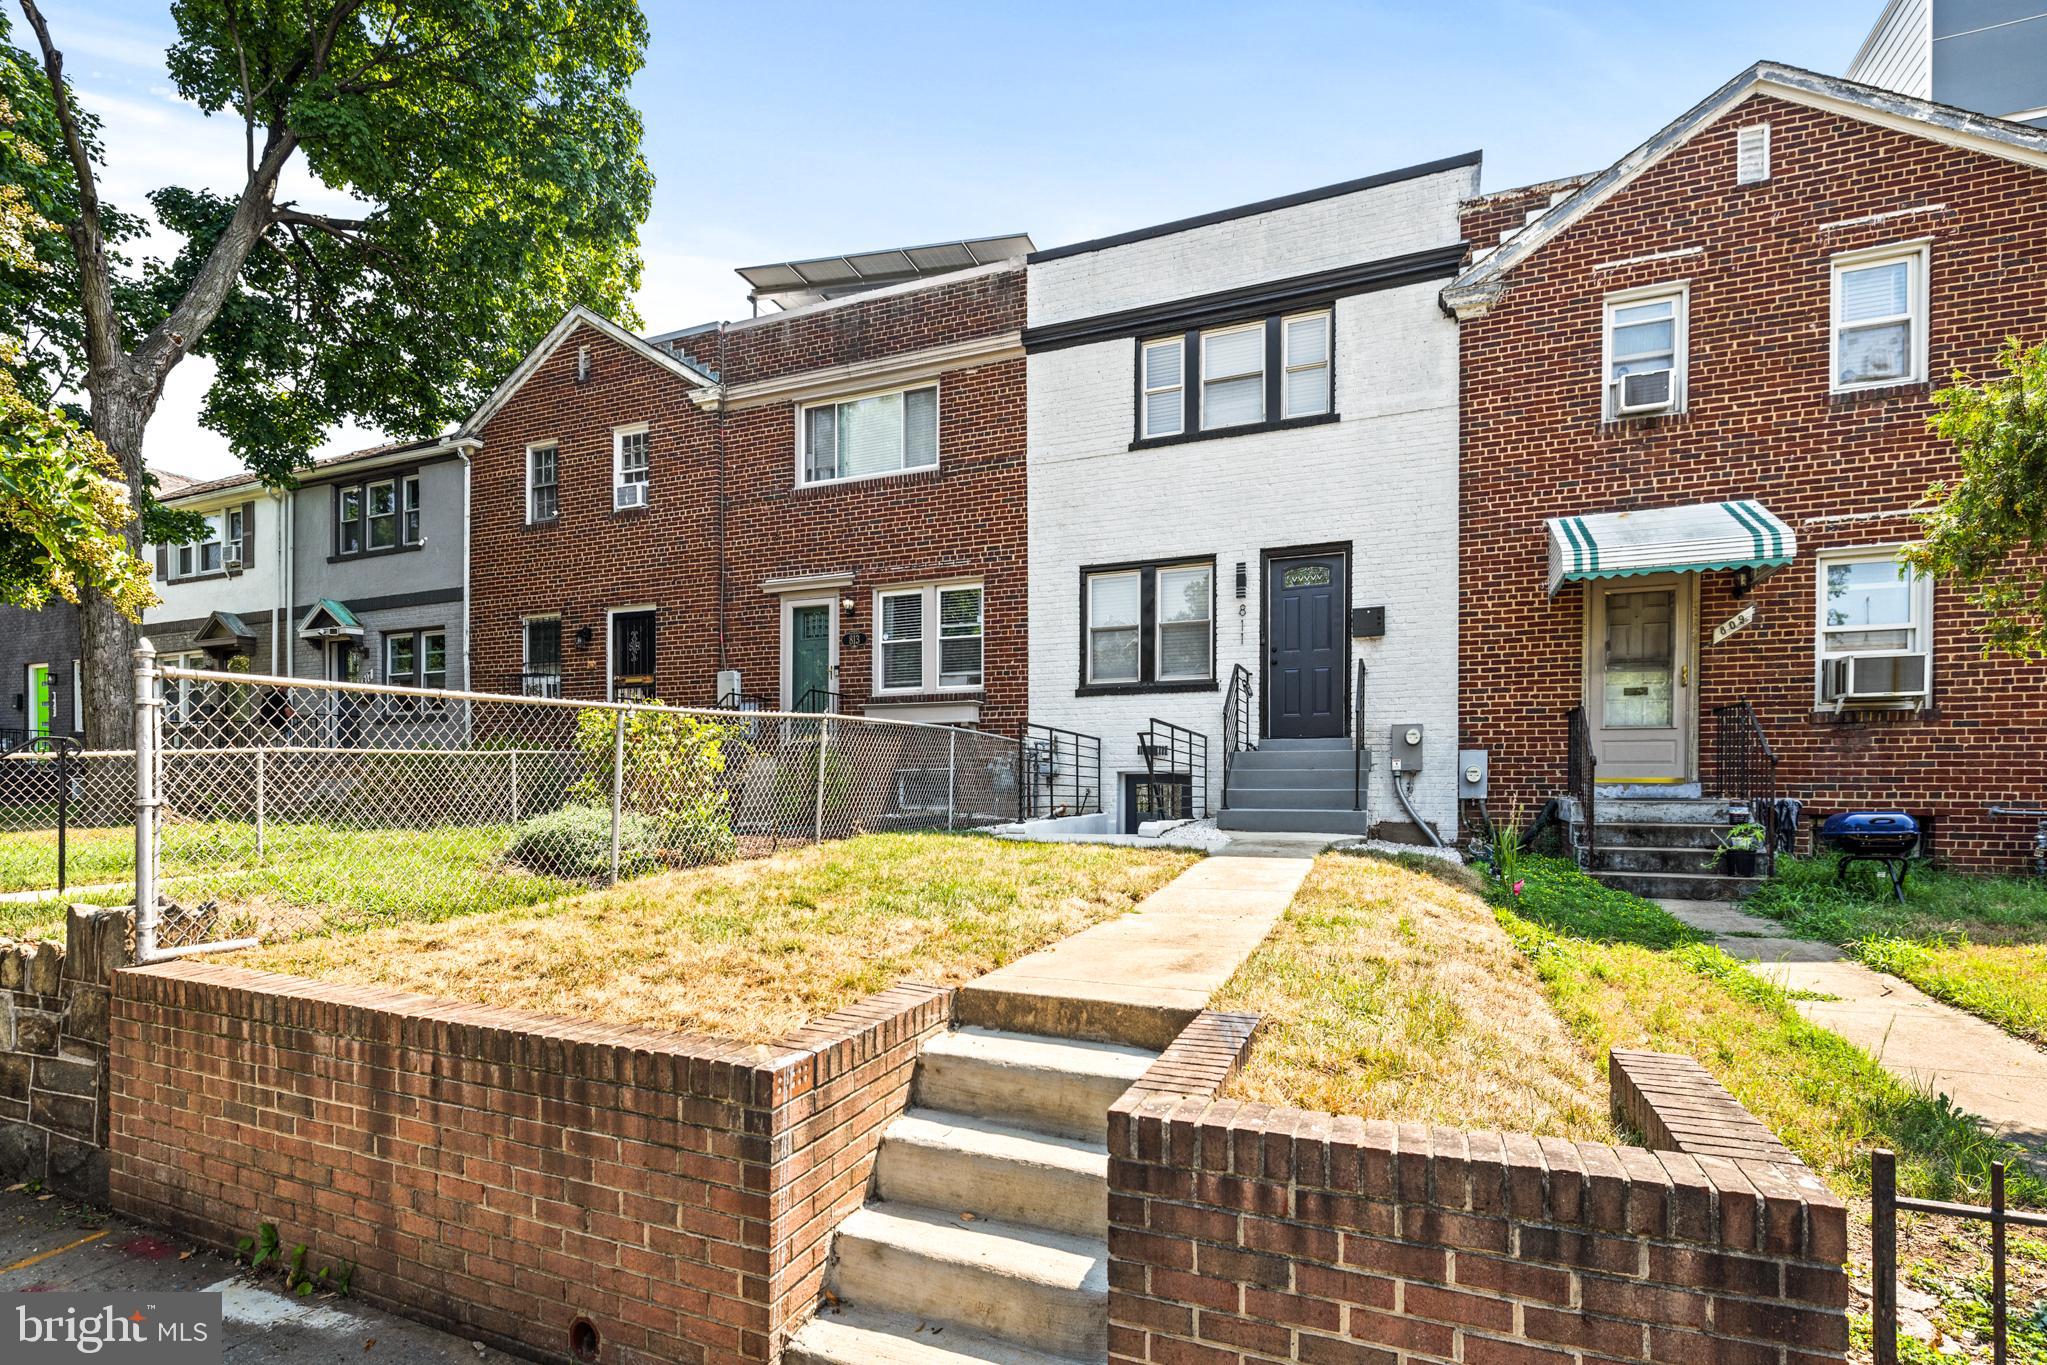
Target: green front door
[[41, 701], [810, 657]]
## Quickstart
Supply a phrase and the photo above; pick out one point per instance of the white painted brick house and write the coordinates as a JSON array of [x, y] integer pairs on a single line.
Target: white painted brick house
[[1243, 429]]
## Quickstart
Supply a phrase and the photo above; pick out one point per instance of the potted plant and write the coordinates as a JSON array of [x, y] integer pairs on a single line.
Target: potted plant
[[1741, 848]]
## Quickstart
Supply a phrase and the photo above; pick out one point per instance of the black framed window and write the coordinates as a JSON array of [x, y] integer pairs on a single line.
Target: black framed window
[[1148, 626], [378, 516], [1253, 374]]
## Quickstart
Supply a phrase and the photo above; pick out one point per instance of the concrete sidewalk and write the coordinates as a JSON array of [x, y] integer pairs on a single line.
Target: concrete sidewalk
[[51, 1246], [1140, 979], [1978, 1065]]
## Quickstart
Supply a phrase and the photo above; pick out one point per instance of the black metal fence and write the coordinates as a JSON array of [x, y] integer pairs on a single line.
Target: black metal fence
[[1061, 773], [1357, 741], [1885, 1206], [1176, 770], [1745, 769], [1236, 723], [1583, 778]]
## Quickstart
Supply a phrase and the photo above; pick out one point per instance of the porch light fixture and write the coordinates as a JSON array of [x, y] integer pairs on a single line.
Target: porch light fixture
[[583, 638], [846, 605], [1744, 581]]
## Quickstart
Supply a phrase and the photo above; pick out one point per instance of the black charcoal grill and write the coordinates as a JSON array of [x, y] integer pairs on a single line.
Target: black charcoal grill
[[1887, 838]]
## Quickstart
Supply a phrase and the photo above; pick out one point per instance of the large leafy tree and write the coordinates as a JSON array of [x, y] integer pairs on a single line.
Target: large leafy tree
[[485, 160], [1987, 531]]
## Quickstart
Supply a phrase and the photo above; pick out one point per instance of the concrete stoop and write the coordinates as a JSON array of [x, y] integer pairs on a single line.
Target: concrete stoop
[[985, 1239], [1663, 847]]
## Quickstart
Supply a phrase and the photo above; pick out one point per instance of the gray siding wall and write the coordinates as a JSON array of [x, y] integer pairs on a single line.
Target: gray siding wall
[[1990, 56], [1897, 54], [48, 636]]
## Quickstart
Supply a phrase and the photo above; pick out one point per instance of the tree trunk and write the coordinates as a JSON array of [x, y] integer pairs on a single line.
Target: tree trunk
[[121, 405]]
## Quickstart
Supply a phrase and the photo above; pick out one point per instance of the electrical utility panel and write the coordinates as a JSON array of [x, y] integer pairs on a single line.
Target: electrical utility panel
[[1474, 774], [1405, 748]]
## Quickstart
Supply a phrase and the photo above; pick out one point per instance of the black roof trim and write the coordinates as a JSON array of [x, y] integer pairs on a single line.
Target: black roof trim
[[1250, 300], [1285, 201]]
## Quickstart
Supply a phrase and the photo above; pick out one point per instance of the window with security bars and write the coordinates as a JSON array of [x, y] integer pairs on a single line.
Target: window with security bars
[[912, 656], [630, 467], [1879, 326], [1149, 625], [883, 433]]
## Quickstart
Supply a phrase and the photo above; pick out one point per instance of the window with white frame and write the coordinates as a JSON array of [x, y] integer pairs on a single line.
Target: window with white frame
[[409, 506], [205, 555], [630, 465], [1232, 376], [1304, 347], [543, 490], [378, 515], [382, 511], [181, 695], [931, 638], [1879, 318], [881, 433], [1645, 352], [416, 658], [1875, 630], [234, 528], [1149, 624], [1164, 367]]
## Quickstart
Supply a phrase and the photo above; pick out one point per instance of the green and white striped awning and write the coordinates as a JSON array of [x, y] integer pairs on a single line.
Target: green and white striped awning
[[1710, 535]]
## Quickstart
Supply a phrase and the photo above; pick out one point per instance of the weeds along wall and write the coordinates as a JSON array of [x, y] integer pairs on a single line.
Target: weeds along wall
[[287, 807], [529, 1181]]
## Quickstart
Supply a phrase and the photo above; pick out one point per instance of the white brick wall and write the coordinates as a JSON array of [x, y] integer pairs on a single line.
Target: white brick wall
[[1384, 478]]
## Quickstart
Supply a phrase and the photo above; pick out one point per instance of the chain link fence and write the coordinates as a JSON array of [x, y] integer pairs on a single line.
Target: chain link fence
[[67, 818], [279, 807]]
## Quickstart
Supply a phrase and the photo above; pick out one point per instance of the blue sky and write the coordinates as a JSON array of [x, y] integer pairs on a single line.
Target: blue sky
[[789, 130]]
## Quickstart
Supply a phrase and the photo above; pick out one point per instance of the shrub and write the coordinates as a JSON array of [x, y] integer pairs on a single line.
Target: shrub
[[674, 778], [795, 789], [575, 841]]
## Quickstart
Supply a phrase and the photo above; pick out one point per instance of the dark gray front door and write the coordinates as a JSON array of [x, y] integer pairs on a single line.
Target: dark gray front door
[[1304, 606]]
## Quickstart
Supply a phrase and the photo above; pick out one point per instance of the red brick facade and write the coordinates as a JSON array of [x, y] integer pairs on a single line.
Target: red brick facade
[[1760, 424], [701, 555], [504, 1174]]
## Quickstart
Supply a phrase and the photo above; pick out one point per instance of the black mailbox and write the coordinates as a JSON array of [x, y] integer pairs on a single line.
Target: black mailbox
[[1367, 623]]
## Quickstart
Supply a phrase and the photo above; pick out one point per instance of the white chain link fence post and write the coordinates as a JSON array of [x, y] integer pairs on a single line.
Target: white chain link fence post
[[824, 734], [513, 755], [148, 705], [617, 784], [262, 802]]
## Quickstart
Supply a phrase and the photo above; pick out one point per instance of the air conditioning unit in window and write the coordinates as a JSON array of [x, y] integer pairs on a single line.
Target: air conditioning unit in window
[[1642, 391], [1889, 679], [629, 495], [232, 561]]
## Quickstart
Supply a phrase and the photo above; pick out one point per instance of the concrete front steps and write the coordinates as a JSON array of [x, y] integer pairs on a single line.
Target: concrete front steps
[[1303, 785], [985, 1237], [1663, 847]]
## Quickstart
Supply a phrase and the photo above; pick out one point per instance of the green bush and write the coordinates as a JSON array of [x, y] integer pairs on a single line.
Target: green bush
[[795, 789], [673, 778], [575, 841]]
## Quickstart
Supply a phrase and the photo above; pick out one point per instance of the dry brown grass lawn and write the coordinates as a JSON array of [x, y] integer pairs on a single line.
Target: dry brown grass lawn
[[1395, 994], [752, 950]]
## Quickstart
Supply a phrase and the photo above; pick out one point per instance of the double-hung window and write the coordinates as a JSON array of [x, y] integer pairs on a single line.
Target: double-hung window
[[204, 556], [1262, 372], [348, 521], [1148, 624], [380, 515], [1875, 641], [382, 499], [1232, 377], [233, 536], [409, 500], [1879, 318], [882, 433], [416, 658], [543, 473], [1645, 352], [931, 638], [630, 466]]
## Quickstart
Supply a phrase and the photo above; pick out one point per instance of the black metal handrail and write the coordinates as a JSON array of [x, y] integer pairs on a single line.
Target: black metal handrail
[[1061, 772], [740, 701], [819, 700], [1582, 775], [540, 682], [1884, 1207], [1357, 741], [1745, 769], [1236, 723], [1176, 752]]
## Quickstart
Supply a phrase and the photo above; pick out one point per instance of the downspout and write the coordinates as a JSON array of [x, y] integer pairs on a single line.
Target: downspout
[[718, 438], [288, 576], [463, 451], [281, 500]]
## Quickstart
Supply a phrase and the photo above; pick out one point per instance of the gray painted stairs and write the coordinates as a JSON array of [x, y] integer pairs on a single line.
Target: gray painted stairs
[[1008, 1128], [1307, 785], [1662, 847]]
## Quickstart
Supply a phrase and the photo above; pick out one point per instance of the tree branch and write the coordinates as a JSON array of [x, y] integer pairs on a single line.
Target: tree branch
[[248, 98]]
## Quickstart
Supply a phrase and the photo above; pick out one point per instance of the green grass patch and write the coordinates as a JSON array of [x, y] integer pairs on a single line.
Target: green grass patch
[[2005, 983], [1621, 972]]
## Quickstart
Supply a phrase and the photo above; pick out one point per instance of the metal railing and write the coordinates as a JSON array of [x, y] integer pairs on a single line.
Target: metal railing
[[297, 806], [1357, 741], [819, 701], [1060, 773], [741, 701], [633, 689], [1582, 777], [1745, 770], [1236, 724], [1885, 1204], [1176, 764], [540, 683]]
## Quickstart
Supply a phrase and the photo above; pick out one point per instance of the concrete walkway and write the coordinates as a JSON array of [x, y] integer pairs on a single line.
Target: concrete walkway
[[1140, 979], [1978, 1065], [51, 1246]]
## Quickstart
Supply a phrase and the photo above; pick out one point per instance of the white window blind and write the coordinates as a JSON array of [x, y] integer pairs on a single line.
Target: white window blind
[[1165, 405], [1642, 350], [882, 434], [631, 467], [1114, 625], [959, 637], [1874, 321], [1306, 390], [902, 641], [1184, 608], [1233, 377]]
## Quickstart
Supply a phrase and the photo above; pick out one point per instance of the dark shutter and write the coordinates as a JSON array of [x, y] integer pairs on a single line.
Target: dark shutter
[[248, 535], [163, 562]]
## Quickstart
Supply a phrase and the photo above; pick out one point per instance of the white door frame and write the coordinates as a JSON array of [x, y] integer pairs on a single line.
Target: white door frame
[[611, 640], [830, 602], [1685, 658]]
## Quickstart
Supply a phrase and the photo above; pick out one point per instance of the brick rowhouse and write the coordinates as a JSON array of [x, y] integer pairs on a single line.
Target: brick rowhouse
[[1760, 423], [729, 531]]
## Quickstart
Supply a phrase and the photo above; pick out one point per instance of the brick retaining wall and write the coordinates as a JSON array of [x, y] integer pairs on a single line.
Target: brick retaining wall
[[1242, 1230], [503, 1173]]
